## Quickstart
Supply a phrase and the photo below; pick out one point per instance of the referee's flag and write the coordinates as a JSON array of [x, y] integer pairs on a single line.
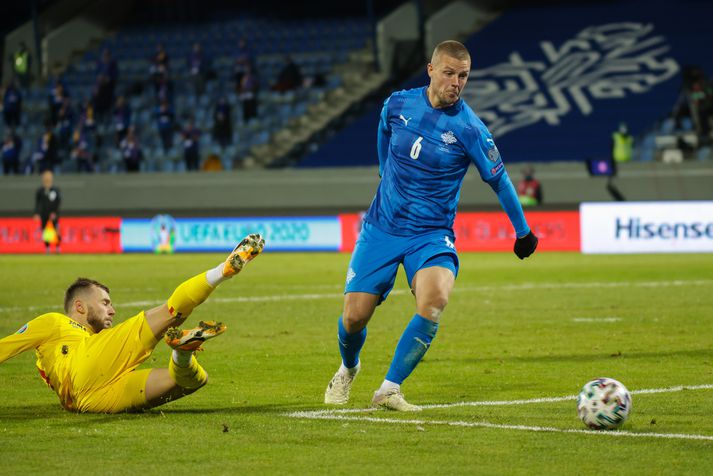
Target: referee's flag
[[49, 234]]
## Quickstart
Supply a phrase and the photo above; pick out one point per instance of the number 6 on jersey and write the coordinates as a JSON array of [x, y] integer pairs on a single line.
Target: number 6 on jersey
[[416, 148]]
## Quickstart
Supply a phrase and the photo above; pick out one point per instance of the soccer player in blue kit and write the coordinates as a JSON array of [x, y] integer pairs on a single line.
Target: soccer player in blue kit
[[426, 140]]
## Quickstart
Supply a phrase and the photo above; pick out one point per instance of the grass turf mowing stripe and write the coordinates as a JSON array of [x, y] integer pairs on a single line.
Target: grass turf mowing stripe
[[488, 288]]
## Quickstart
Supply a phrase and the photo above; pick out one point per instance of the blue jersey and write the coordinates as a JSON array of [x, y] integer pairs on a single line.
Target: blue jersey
[[424, 154]]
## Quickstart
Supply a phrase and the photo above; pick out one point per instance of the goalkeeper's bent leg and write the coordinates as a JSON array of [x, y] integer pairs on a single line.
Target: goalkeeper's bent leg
[[192, 376]]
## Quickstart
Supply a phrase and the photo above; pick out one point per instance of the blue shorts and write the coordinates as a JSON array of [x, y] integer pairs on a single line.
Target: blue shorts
[[377, 256]]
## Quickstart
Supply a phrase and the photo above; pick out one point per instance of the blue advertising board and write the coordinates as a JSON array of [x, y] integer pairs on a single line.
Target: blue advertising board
[[165, 234]]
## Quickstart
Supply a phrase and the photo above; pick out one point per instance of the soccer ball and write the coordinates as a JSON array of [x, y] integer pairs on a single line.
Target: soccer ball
[[604, 404]]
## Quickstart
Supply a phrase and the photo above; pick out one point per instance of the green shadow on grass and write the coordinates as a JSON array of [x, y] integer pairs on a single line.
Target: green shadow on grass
[[55, 415]]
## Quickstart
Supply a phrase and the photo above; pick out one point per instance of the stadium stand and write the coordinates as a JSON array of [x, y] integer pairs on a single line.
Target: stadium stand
[[558, 93], [326, 51]]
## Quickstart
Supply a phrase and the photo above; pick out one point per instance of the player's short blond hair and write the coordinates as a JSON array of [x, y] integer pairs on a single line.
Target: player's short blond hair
[[452, 48], [77, 287]]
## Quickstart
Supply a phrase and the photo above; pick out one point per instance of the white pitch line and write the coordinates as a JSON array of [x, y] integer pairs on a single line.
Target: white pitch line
[[487, 403], [341, 415], [488, 289], [485, 424], [596, 319]]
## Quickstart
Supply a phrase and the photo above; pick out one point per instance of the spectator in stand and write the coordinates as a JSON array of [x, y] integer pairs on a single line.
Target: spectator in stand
[[165, 121], [160, 65], [12, 105], [87, 118], [107, 76], [622, 144], [56, 99], [191, 145], [529, 190], [131, 151], [701, 99], [21, 62], [198, 67], [223, 123], [164, 90], [11, 149], [122, 118], [695, 101], [45, 157], [290, 76], [65, 124], [243, 60], [82, 153], [248, 94]]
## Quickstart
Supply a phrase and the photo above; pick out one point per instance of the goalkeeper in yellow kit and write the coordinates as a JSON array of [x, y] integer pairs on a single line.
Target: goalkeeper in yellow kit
[[92, 365]]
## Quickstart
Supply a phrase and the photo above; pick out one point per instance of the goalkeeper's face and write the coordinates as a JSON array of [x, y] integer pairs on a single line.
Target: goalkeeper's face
[[100, 311], [448, 78]]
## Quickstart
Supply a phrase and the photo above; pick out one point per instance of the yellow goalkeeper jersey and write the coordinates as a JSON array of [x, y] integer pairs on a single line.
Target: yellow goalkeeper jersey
[[54, 337]]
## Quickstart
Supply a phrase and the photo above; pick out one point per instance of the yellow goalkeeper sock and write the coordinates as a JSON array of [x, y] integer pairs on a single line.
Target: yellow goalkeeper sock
[[188, 295], [190, 377]]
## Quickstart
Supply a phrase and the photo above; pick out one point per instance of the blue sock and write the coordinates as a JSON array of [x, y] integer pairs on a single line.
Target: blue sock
[[411, 348], [350, 345]]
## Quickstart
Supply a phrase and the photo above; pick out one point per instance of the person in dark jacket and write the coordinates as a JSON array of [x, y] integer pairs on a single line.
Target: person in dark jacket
[[47, 202]]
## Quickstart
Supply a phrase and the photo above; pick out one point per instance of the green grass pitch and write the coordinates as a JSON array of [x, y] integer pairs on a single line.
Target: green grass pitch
[[512, 331]]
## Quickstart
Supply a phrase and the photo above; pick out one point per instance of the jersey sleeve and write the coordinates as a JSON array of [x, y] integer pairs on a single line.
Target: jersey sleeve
[[505, 190], [484, 153], [382, 136], [29, 336], [486, 157]]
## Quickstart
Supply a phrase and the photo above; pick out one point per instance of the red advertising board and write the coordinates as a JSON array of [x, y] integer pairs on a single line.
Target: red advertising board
[[492, 231], [79, 235], [351, 225]]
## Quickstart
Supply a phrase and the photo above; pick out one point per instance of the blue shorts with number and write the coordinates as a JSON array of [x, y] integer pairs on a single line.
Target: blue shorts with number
[[377, 256]]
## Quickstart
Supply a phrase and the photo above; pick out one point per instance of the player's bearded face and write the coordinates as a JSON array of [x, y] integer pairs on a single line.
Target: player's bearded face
[[448, 78], [100, 312]]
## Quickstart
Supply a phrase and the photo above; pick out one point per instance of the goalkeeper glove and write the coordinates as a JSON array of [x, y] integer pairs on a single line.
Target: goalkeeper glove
[[526, 245]]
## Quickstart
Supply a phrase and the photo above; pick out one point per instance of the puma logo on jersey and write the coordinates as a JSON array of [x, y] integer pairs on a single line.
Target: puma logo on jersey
[[350, 275], [449, 243], [401, 116]]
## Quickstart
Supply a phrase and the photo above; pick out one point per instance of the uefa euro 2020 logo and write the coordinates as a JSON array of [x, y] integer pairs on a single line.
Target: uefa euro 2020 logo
[[163, 234]]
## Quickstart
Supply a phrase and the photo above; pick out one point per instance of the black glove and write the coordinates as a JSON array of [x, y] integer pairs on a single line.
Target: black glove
[[526, 245]]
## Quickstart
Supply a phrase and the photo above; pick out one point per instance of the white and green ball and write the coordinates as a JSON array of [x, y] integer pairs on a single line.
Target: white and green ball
[[604, 404]]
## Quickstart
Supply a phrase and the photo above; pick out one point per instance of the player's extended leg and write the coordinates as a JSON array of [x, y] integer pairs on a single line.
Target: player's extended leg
[[358, 309], [194, 291], [432, 287]]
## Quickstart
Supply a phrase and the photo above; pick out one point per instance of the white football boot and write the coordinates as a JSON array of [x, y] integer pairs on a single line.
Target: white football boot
[[393, 399], [337, 392]]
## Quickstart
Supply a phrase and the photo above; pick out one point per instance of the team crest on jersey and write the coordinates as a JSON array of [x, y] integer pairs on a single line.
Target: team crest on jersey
[[493, 152], [448, 138]]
